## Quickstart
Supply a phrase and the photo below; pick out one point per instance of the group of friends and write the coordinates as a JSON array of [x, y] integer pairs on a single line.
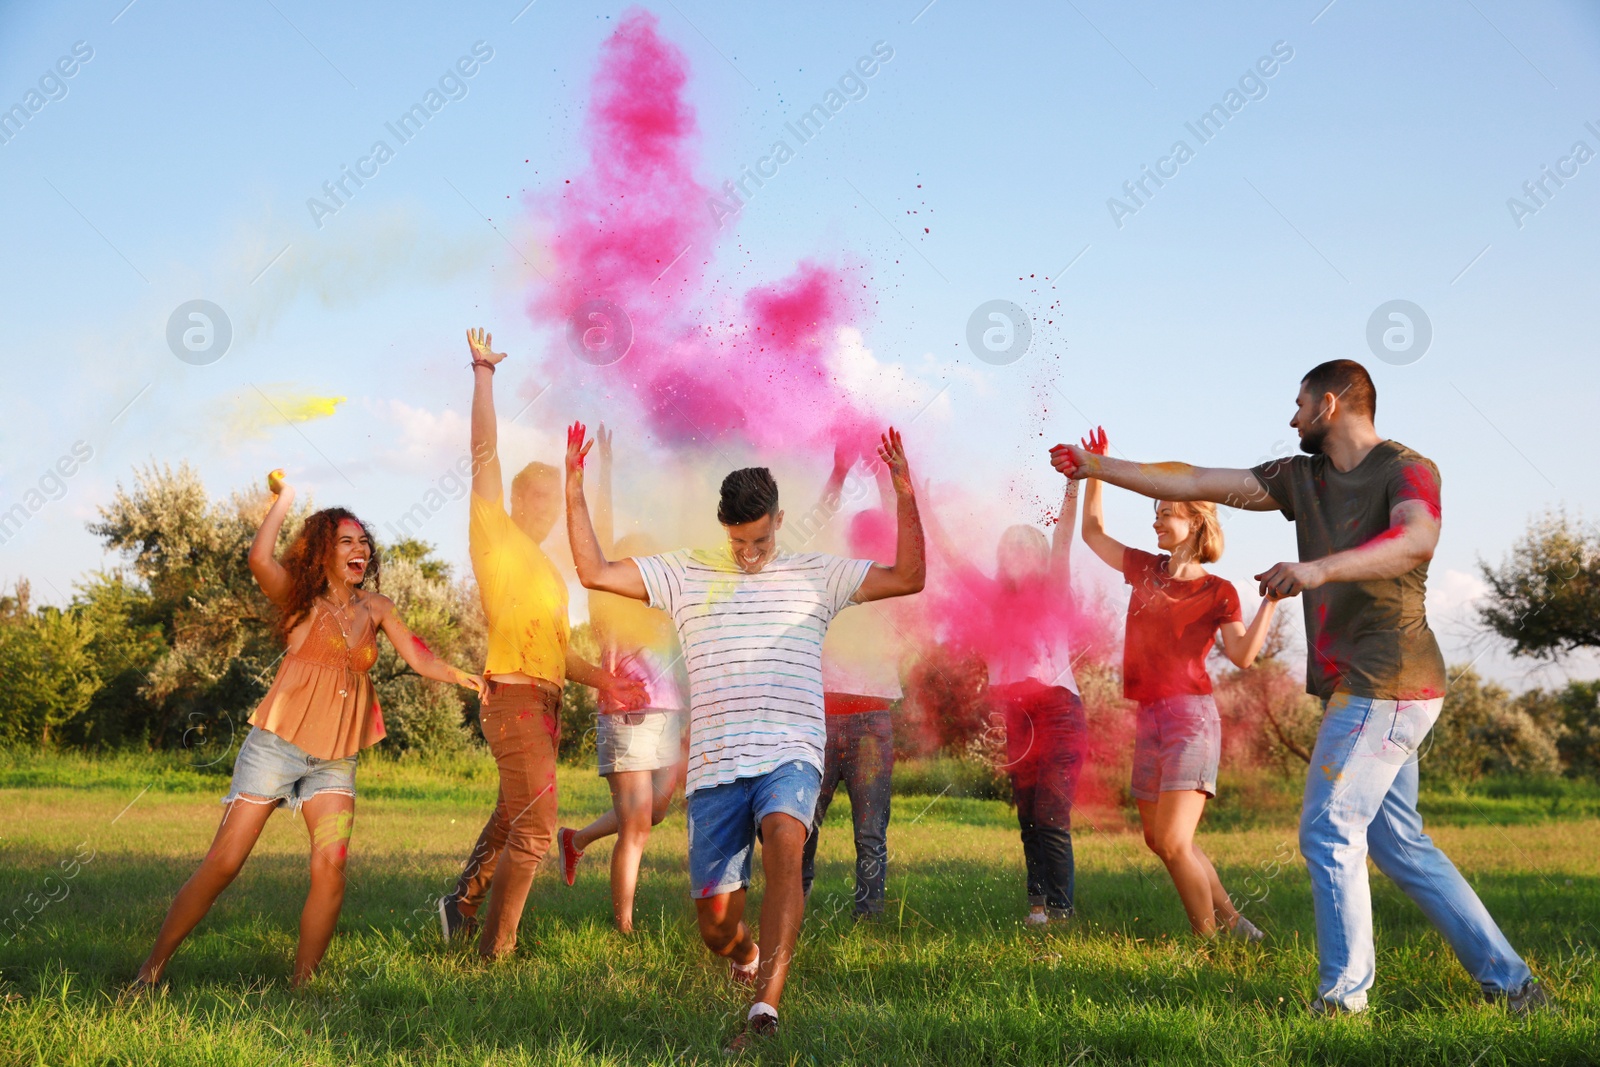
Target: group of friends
[[717, 672]]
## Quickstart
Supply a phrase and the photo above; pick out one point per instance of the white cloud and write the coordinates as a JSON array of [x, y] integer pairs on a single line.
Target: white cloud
[[1454, 593], [427, 439], [891, 389]]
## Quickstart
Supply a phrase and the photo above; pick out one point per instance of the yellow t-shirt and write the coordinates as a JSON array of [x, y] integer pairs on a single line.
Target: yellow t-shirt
[[524, 598]]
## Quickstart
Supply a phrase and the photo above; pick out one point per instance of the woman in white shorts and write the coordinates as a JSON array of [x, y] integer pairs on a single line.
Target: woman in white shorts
[[640, 753]]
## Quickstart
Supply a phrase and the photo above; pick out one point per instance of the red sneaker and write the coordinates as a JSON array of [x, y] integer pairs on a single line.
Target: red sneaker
[[570, 856]]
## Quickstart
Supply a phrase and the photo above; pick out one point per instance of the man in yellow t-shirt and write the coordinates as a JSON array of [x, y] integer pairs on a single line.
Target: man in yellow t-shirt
[[525, 607]]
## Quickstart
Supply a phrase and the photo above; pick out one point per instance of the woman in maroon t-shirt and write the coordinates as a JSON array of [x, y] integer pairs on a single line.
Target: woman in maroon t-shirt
[[1175, 612]]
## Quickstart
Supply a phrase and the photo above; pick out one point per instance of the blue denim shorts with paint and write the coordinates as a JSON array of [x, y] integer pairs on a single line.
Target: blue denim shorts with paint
[[269, 769], [725, 820]]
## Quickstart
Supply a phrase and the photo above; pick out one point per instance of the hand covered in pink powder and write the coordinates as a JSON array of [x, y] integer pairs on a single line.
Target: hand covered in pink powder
[[891, 450], [1096, 441], [577, 449], [1071, 460]]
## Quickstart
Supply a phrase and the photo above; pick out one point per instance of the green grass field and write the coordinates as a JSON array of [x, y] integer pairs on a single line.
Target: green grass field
[[951, 977]]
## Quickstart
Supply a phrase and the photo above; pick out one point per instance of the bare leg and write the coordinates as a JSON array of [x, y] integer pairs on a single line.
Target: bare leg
[[783, 904], [1221, 903], [330, 817], [722, 927], [605, 825], [1169, 826], [236, 836], [631, 803]]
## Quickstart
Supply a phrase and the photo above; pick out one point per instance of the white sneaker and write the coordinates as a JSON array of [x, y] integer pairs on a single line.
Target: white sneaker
[[1245, 930], [1037, 918]]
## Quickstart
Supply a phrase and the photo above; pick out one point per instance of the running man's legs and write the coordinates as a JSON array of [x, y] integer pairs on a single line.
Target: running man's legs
[[722, 832], [1414, 863], [1361, 787], [783, 903], [520, 725]]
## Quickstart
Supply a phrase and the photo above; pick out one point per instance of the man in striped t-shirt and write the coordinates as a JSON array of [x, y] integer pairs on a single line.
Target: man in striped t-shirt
[[751, 620]]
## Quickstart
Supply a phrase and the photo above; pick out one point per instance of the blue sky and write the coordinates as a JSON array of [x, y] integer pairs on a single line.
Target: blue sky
[[1376, 166]]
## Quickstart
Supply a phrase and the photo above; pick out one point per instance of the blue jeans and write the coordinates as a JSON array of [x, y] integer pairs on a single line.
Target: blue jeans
[[1361, 798], [1046, 736], [860, 753]]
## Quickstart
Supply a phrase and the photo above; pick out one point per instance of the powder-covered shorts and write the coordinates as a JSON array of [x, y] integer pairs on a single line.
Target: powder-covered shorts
[[268, 768], [1177, 745], [725, 820], [639, 741]]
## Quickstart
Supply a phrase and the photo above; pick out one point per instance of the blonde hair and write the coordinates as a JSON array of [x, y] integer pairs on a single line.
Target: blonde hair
[[1206, 529]]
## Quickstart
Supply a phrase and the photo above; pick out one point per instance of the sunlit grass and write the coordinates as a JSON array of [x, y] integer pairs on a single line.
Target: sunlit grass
[[951, 976]]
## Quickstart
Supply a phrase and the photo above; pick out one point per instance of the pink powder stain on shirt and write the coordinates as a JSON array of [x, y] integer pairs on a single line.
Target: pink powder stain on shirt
[[1421, 483], [635, 228]]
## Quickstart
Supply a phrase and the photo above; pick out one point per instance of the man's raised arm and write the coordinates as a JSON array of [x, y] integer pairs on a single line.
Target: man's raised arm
[[910, 555], [1166, 481], [594, 570]]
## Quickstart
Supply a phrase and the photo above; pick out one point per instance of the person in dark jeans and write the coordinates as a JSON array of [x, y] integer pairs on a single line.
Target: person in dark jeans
[[860, 754], [1045, 740]]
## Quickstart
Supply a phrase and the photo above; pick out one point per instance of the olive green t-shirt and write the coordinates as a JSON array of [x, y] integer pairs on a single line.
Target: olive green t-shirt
[[1366, 638]]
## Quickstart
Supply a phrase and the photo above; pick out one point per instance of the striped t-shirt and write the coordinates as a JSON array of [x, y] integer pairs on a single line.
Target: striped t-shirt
[[753, 647]]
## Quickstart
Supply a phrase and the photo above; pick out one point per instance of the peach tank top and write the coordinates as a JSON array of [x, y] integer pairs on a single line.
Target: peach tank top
[[322, 699]]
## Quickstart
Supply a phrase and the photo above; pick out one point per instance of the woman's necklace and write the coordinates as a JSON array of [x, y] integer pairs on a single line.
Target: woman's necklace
[[338, 621]]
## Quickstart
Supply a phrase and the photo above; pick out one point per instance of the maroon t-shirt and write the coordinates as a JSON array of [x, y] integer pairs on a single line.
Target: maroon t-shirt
[[1171, 625]]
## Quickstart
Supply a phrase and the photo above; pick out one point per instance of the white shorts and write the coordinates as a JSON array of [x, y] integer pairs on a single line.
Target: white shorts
[[652, 741]]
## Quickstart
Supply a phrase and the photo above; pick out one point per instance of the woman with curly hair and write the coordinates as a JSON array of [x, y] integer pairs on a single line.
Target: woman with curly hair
[[305, 735]]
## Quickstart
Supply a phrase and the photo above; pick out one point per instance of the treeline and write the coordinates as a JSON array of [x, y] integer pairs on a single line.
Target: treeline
[[172, 648]]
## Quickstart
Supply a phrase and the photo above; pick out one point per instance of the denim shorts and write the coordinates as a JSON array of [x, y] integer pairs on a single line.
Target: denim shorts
[[269, 769], [725, 820], [1177, 746]]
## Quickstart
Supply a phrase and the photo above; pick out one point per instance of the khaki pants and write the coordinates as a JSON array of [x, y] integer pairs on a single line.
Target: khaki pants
[[521, 724]]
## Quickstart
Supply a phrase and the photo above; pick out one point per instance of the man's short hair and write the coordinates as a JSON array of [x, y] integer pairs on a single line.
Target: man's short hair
[[534, 475], [747, 494], [1347, 380]]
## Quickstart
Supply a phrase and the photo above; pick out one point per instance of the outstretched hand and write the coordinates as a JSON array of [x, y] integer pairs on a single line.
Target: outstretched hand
[[577, 448], [892, 451], [1096, 441], [1289, 579], [1075, 461], [481, 343], [602, 439]]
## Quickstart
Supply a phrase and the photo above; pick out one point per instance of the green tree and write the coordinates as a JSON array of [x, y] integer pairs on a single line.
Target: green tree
[[50, 674], [1545, 598], [1482, 730], [423, 717], [188, 556], [1572, 717]]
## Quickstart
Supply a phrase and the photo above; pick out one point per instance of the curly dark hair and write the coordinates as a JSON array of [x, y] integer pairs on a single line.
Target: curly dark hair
[[307, 564], [747, 494]]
